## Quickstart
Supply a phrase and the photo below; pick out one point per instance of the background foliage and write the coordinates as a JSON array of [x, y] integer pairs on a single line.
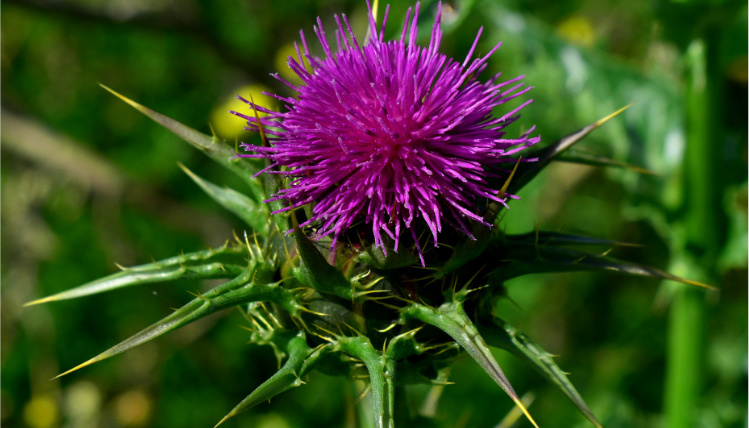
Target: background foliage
[[88, 182]]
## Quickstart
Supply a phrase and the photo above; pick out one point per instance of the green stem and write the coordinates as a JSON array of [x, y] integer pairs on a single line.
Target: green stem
[[381, 377], [683, 380], [700, 219]]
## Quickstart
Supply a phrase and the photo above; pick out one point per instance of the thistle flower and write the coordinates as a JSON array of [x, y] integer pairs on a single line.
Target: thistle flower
[[389, 135], [389, 132]]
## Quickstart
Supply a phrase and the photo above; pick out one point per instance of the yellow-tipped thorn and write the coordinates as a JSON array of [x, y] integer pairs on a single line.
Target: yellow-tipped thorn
[[260, 128], [198, 295], [600, 122], [326, 331], [222, 420], [236, 238], [187, 171], [213, 133], [322, 337], [244, 327], [273, 318], [411, 332], [521, 406], [40, 301], [265, 322], [364, 293], [386, 304], [132, 103], [699, 284], [509, 179], [355, 330], [310, 311], [78, 367], [513, 415]]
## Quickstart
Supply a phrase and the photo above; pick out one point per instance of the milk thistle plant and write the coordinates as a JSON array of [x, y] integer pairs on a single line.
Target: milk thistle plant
[[372, 248]]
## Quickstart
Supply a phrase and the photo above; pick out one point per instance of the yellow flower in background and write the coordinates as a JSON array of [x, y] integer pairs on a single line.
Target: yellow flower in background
[[41, 412], [223, 124], [133, 408], [577, 30], [280, 61]]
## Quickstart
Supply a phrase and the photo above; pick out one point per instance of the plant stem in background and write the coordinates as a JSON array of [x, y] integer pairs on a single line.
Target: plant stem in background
[[700, 219]]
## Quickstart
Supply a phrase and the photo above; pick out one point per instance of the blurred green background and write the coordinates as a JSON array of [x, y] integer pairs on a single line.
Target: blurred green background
[[88, 182]]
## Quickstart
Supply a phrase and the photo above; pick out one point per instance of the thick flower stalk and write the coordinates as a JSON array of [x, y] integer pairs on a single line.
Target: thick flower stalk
[[389, 132]]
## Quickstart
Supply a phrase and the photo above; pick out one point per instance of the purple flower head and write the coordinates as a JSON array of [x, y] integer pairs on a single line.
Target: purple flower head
[[389, 133]]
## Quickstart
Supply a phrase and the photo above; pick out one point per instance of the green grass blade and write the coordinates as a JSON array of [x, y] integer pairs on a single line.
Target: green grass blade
[[213, 147], [224, 262], [500, 334], [254, 212]]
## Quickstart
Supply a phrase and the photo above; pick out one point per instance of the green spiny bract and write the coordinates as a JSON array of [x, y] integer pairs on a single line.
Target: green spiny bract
[[352, 311]]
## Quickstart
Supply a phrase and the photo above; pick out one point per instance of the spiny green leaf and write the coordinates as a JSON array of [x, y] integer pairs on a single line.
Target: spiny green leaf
[[522, 174], [463, 253], [469, 249], [521, 259], [237, 291], [289, 376], [254, 212], [224, 262], [542, 238], [452, 319], [315, 270], [500, 334], [381, 376], [213, 147], [585, 158], [528, 170], [375, 257]]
